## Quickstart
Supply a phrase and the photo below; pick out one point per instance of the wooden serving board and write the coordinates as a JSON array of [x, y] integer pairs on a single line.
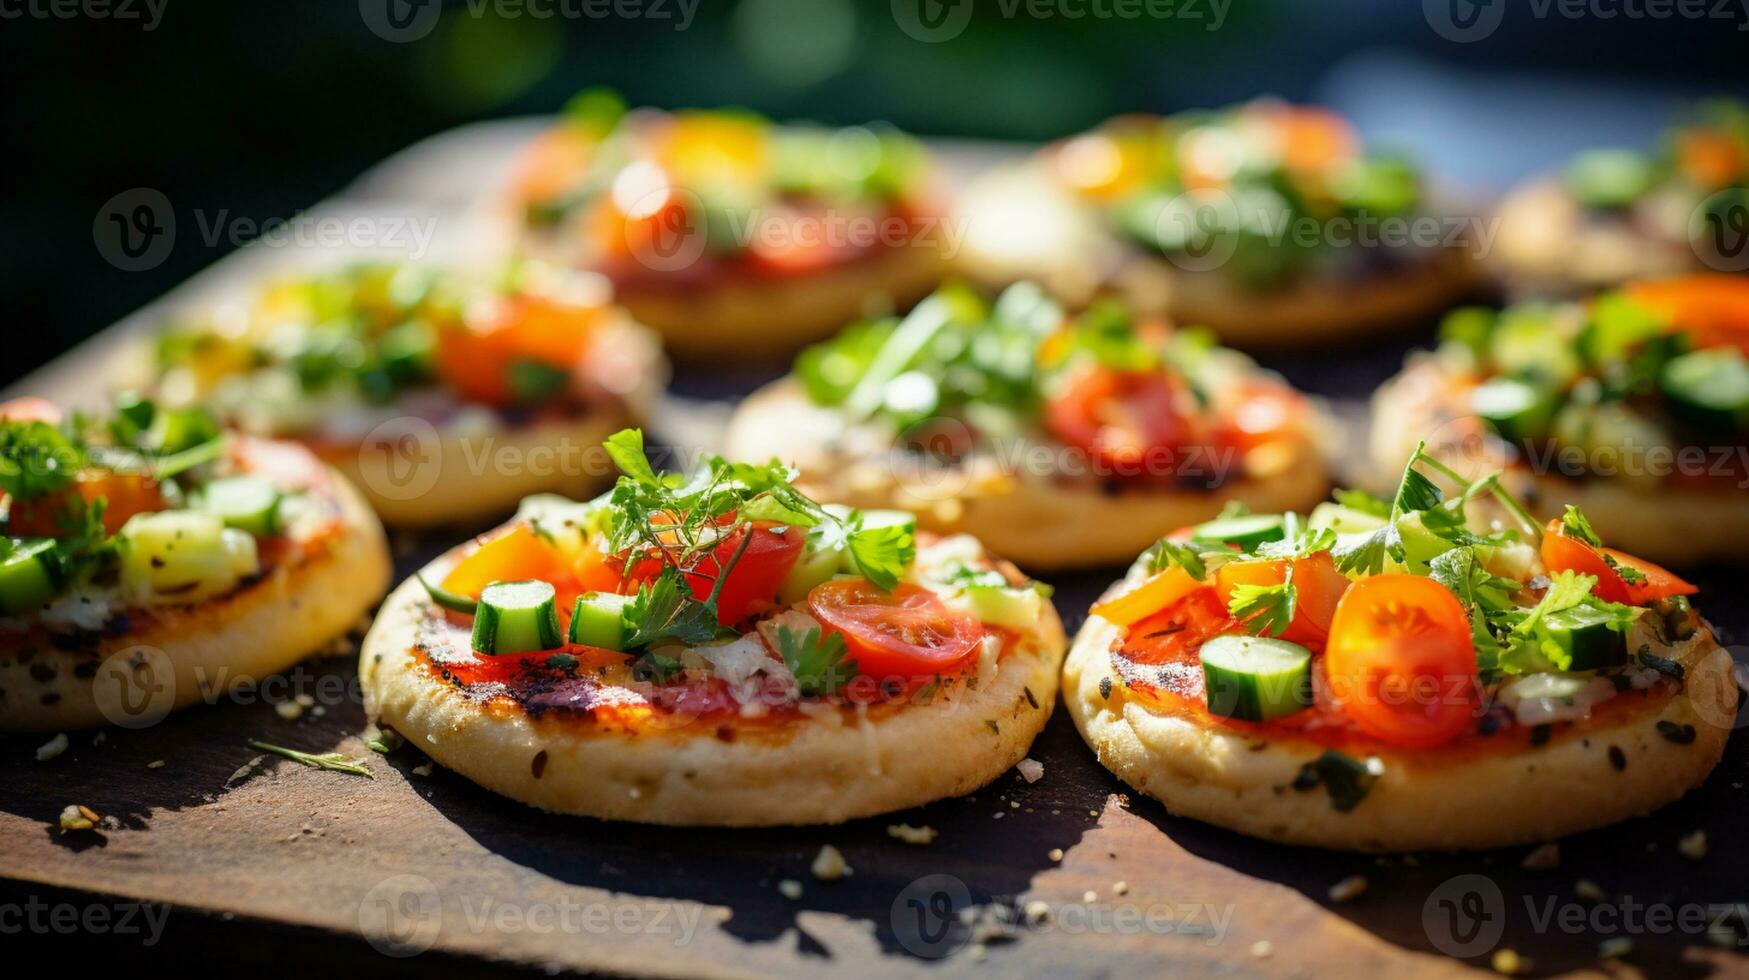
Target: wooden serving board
[[266, 863]]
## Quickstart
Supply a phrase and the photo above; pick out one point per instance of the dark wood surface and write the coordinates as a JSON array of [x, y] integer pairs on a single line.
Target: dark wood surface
[[284, 868]]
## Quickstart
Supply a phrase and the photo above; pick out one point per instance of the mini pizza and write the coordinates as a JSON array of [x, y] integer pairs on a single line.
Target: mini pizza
[[150, 562], [1394, 675], [1062, 442], [1634, 406], [1616, 215], [728, 234], [1266, 221], [716, 651], [444, 398]]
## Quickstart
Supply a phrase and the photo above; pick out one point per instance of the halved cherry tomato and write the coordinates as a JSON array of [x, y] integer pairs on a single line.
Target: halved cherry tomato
[[1118, 417], [906, 632], [512, 556], [552, 164], [124, 495], [1318, 586], [477, 359], [1312, 139], [1709, 158], [31, 409], [1260, 413], [1147, 597], [1565, 554], [1713, 309], [1400, 660], [755, 577]]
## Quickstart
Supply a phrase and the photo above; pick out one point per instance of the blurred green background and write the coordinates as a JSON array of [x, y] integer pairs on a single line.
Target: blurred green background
[[260, 109]]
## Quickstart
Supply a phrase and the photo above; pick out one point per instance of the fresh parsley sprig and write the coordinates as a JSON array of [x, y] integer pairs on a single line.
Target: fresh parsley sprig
[[816, 661]]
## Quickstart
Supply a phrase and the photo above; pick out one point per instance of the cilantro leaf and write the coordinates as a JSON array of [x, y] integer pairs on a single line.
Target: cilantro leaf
[[1164, 554], [1574, 524], [1266, 610], [1629, 574], [36, 459], [817, 662], [626, 449], [1365, 503], [665, 609], [1301, 545], [881, 554]]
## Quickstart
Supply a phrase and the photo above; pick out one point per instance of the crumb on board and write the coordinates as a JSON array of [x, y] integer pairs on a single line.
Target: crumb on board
[[829, 865], [1544, 858], [1037, 912], [1030, 770], [78, 817], [1348, 889], [1692, 846], [289, 710], [1507, 962], [155, 764], [1615, 948], [52, 748], [1589, 890], [1262, 948], [911, 835], [790, 888], [1089, 896], [423, 769], [1120, 888], [1055, 854]]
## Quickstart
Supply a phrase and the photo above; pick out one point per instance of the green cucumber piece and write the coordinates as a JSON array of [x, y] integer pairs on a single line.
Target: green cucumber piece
[[599, 620], [516, 617], [1247, 531], [1343, 520], [247, 503], [1527, 343], [1001, 605], [1584, 633], [1256, 678], [1517, 410], [1708, 388], [1609, 178], [29, 576], [815, 566]]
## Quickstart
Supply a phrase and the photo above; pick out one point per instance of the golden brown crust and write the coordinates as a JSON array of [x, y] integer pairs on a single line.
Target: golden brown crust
[[1425, 800], [838, 766], [1032, 520], [1080, 260], [182, 655], [744, 318], [1654, 518], [1549, 246]]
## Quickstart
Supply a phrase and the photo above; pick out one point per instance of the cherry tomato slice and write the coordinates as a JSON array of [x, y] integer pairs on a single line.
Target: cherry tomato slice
[[1118, 417], [908, 632], [1260, 413], [1713, 309], [753, 579], [1566, 554], [1400, 660], [477, 360], [1317, 583], [124, 495]]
